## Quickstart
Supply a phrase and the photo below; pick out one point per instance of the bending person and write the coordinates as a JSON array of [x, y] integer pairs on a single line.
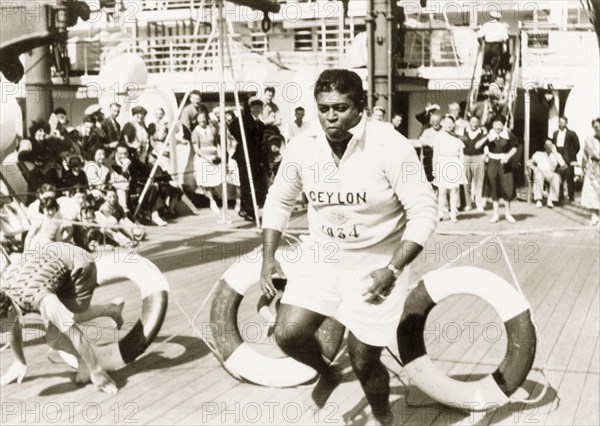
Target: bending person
[[371, 211], [57, 283]]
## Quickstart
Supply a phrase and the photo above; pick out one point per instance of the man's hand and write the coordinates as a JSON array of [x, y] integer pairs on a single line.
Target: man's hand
[[266, 277], [383, 284], [103, 382]]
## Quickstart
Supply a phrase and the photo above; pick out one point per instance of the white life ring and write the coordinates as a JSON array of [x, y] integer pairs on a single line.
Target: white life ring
[[493, 390], [154, 290], [239, 358]]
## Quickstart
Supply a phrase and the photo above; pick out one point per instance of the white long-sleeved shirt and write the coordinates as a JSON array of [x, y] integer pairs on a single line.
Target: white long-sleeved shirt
[[377, 195], [547, 162]]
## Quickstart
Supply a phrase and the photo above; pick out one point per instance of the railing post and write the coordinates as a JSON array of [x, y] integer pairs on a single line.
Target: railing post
[[171, 56], [85, 60]]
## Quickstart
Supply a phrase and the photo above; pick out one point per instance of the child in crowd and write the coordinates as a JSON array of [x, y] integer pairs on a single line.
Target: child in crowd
[[47, 226], [111, 213]]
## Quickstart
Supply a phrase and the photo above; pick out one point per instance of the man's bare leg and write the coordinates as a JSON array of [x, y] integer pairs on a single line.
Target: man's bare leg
[[373, 377], [295, 334], [112, 310]]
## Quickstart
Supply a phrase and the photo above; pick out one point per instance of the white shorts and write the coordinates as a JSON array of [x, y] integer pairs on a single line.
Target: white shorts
[[338, 292]]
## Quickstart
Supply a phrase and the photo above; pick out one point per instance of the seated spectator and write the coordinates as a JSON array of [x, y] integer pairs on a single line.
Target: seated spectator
[[169, 191], [546, 166], [31, 169], [97, 173], [47, 226], [113, 215], [136, 135], [73, 175], [58, 123], [120, 176]]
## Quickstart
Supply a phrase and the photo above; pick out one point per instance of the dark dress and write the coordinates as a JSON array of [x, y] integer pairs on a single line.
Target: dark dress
[[259, 162], [499, 181]]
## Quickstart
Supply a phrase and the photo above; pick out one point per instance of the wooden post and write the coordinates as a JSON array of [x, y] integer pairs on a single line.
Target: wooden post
[[526, 140]]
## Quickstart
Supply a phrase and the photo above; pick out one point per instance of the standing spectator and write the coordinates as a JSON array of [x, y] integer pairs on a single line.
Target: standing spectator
[[397, 122], [590, 193], [95, 112], [378, 113], [90, 138], [254, 130], [474, 139], [459, 123], [135, 134], [545, 165], [495, 34], [207, 162], [427, 139], [112, 128], [499, 181], [567, 144], [270, 114], [298, 125], [424, 117], [189, 115], [159, 129], [448, 166]]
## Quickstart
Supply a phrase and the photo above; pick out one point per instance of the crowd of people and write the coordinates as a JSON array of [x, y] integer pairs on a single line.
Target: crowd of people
[[471, 161]]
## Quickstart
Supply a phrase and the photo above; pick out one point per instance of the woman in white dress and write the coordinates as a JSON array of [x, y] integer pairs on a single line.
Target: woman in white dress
[[207, 162], [448, 166], [590, 193]]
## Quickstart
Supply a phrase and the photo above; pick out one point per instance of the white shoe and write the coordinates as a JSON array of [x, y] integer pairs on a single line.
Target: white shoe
[[238, 206], [214, 207], [453, 218], [509, 218], [480, 210], [468, 208], [494, 219], [158, 220], [550, 204], [538, 204], [594, 221]]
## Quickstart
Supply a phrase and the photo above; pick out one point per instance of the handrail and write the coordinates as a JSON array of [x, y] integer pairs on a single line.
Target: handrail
[[515, 78], [474, 88]]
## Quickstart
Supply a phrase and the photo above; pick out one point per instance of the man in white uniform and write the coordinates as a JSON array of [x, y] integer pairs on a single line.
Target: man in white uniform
[[370, 212]]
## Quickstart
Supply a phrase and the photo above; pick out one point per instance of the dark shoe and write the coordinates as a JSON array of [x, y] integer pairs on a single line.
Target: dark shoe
[[247, 216]]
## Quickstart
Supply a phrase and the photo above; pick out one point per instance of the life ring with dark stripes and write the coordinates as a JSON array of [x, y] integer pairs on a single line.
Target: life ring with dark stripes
[[154, 289], [238, 357], [493, 390]]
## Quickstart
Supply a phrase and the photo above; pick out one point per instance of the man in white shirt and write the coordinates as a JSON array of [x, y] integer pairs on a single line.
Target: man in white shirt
[[495, 34], [371, 204], [298, 125], [426, 140], [270, 114], [544, 165], [460, 124]]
